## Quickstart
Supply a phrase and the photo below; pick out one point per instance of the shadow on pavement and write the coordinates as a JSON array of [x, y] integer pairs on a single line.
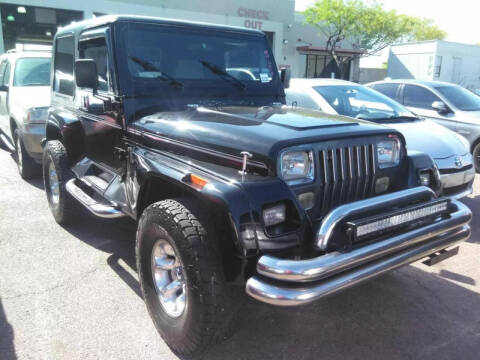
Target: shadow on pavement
[[406, 314], [116, 237], [7, 347]]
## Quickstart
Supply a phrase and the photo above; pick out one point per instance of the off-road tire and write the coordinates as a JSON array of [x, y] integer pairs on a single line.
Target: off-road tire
[[27, 167], [211, 305], [68, 209]]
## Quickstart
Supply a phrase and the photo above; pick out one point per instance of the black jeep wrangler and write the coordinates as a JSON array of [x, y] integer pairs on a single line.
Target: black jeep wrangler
[[182, 126]]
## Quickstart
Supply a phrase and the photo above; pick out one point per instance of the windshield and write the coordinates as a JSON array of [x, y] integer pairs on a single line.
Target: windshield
[[162, 59], [362, 103], [32, 72], [460, 97]]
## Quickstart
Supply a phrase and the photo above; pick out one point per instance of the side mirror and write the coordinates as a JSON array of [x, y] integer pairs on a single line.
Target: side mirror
[[440, 106], [285, 75], [4, 88], [86, 75]]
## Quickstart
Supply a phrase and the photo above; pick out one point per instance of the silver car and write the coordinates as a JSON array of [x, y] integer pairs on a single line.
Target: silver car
[[24, 102], [447, 104], [450, 151]]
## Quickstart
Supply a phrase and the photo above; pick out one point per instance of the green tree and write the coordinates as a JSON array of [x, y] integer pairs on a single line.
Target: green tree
[[425, 29], [368, 27]]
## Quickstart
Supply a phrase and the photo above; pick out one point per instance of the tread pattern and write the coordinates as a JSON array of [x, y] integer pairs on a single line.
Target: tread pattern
[[30, 168], [217, 308], [68, 209]]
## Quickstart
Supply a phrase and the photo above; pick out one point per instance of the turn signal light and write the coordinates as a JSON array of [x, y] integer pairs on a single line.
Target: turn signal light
[[198, 181]]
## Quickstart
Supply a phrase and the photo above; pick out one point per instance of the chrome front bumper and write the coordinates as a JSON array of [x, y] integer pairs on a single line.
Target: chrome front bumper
[[295, 282]]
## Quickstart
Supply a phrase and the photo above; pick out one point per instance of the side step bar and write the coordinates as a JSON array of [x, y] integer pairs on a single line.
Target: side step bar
[[108, 211]]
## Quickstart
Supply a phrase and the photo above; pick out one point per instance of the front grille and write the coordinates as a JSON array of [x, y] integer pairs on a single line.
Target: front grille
[[455, 170], [346, 174]]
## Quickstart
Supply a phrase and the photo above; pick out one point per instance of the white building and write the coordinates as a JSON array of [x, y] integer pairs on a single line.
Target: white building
[[294, 44], [436, 60]]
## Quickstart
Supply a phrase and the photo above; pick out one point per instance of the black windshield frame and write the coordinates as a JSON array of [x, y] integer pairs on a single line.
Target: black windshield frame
[[216, 88]]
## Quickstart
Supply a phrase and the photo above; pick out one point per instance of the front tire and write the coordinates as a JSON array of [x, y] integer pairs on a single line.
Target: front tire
[[187, 268], [27, 167], [56, 173], [476, 157]]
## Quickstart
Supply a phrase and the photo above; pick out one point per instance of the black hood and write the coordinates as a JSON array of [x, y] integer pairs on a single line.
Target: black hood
[[261, 131]]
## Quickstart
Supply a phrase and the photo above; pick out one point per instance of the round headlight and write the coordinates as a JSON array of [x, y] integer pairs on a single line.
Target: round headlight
[[297, 166], [388, 152]]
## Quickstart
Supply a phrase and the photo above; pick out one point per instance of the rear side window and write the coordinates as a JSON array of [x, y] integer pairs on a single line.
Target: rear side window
[[6, 76], [419, 97], [3, 64], [389, 90], [63, 66]]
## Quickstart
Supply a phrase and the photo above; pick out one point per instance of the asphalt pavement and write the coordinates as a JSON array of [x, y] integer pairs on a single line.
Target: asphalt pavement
[[73, 293]]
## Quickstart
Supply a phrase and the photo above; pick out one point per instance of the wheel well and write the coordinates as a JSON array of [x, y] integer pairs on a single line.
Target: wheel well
[[475, 143], [158, 189], [53, 133], [13, 127]]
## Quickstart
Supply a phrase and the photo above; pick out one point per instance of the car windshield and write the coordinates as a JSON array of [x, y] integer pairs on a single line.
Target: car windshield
[[32, 72], [159, 59], [460, 97], [362, 103]]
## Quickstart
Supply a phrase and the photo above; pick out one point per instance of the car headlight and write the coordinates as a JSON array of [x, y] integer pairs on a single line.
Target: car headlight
[[37, 115], [388, 152], [297, 166]]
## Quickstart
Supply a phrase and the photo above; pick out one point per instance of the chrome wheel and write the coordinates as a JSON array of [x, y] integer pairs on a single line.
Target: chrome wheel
[[168, 277], [18, 144], [53, 184]]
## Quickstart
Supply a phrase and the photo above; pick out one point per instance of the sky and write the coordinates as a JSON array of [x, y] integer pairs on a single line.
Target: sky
[[459, 18]]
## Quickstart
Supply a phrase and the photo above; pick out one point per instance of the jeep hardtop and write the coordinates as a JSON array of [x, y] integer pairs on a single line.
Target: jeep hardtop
[[183, 127]]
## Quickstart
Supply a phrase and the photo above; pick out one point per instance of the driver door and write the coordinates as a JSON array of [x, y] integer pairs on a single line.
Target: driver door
[[102, 125]]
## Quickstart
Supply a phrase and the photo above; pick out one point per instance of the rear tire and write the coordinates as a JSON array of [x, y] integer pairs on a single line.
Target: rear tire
[[27, 167], [56, 172], [209, 305], [476, 157]]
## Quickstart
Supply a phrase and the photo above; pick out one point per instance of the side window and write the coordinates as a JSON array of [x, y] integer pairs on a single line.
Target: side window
[[3, 64], [419, 97], [63, 66], [389, 90], [303, 100], [96, 49], [6, 75]]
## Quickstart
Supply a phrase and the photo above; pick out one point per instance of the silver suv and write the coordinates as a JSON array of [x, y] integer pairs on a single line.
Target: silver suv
[[24, 102], [448, 104]]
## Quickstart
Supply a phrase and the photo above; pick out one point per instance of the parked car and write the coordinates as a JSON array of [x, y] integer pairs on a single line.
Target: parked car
[[447, 104], [24, 102], [233, 191], [450, 151]]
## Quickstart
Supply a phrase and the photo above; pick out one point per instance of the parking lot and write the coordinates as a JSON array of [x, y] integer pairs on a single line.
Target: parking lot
[[72, 293]]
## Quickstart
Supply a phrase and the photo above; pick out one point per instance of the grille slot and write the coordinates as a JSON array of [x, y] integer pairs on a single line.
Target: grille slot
[[347, 174]]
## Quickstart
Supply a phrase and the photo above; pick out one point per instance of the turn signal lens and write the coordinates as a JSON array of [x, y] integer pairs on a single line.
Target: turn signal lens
[[198, 180]]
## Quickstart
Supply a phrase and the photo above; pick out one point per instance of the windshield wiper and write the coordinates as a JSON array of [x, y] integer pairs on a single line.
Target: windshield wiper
[[223, 74], [399, 117], [147, 66]]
